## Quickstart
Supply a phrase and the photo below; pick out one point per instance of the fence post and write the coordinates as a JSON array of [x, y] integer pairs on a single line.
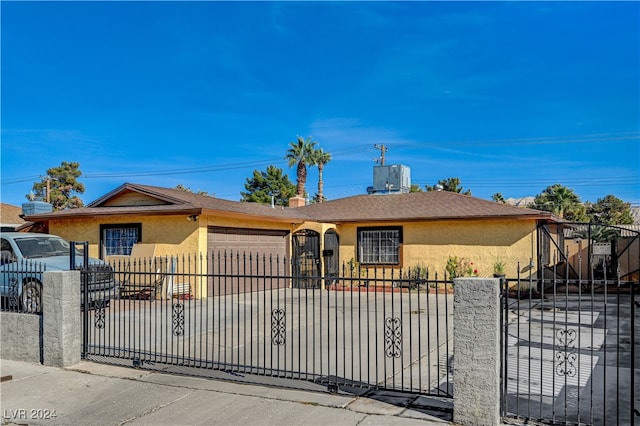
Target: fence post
[[476, 351], [61, 318]]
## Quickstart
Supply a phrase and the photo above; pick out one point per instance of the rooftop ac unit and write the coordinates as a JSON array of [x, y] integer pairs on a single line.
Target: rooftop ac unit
[[36, 207], [394, 178]]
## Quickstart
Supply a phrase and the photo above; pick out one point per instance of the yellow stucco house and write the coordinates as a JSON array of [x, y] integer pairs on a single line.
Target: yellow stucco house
[[397, 230]]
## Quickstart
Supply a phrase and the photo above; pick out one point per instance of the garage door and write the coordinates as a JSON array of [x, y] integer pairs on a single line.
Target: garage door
[[239, 243]]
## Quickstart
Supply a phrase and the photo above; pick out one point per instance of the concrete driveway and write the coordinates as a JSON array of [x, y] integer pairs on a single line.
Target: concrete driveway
[[569, 359], [396, 341]]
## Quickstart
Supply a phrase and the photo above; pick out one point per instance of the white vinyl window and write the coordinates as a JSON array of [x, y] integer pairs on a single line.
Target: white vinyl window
[[379, 245]]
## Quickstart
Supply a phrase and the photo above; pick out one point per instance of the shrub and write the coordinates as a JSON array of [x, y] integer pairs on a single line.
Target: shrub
[[419, 272], [460, 267]]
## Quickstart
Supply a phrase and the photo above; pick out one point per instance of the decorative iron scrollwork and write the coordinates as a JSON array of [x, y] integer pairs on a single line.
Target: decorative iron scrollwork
[[393, 337], [278, 327], [567, 355], [14, 300], [99, 319], [177, 310]]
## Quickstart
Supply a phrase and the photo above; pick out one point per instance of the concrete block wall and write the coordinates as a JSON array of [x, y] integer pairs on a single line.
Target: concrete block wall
[[476, 353], [61, 326], [52, 338], [21, 337]]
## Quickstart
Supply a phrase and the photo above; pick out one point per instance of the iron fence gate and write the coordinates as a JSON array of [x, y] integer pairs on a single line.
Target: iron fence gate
[[570, 335], [390, 331]]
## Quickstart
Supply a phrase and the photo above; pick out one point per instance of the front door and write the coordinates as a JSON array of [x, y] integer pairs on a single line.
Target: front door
[[306, 259]]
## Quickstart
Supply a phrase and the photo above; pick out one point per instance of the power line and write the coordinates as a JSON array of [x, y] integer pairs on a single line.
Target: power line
[[546, 140], [627, 180], [181, 171], [168, 172], [591, 138], [20, 180]]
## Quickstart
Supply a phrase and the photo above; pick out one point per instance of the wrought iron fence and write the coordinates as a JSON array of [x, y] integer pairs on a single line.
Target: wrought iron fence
[[250, 315], [21, 286], [570, 349]]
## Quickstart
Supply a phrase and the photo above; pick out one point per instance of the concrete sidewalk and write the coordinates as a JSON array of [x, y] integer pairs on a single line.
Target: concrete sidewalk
[[98, 394]]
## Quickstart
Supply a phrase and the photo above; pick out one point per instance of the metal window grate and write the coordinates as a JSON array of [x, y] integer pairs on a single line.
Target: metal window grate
[[381, 246], [120, 241]]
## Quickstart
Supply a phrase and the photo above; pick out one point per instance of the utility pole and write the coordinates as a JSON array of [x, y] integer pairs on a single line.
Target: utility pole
[[48, 190], [382, 149]]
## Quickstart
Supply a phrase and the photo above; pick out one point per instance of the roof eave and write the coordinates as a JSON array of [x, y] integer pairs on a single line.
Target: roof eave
[[160, 211], [106, 212], [439, 218], [257, 216]]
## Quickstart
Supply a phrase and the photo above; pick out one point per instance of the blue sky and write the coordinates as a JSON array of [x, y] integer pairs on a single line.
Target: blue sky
[[508, 96]]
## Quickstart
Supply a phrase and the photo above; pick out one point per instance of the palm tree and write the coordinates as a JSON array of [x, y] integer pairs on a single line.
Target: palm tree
[[301, 152], [498, 198], [562, 202], [320, 158], [597, 233]]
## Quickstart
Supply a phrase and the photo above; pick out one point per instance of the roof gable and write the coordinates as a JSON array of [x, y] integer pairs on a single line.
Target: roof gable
[[131, 199], [131, 195]]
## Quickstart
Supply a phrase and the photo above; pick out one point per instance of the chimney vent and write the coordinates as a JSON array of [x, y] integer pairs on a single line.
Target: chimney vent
[[297, 202]]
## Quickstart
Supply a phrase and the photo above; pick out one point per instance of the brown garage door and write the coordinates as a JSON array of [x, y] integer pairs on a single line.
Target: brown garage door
[[239, 245]]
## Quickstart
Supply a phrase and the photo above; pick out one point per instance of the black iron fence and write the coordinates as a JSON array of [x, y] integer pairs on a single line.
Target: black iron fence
[[570, 348], [248, 315], [21, 285]]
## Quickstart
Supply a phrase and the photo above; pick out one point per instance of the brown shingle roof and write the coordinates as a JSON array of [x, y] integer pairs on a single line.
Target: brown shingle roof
[[414, 206], [10, 214], [178, 202], [206, 202]]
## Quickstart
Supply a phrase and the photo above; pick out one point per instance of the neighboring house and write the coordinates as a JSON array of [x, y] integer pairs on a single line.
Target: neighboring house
[[398, 230], [635, 214], [615, 250], [10, 218]]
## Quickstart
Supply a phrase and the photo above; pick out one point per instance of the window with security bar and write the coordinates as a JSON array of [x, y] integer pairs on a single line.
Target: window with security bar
[[119, 239], [379, 245]]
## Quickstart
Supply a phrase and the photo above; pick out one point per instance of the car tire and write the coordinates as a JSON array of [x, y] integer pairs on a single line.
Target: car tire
[[31, 297]]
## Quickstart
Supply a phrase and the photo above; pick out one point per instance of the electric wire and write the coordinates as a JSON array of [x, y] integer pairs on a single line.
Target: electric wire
[[617, 180]]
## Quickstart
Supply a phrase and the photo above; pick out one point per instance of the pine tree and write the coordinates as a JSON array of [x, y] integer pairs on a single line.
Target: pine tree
[[262, 186], [62, 185], [610, 210]]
